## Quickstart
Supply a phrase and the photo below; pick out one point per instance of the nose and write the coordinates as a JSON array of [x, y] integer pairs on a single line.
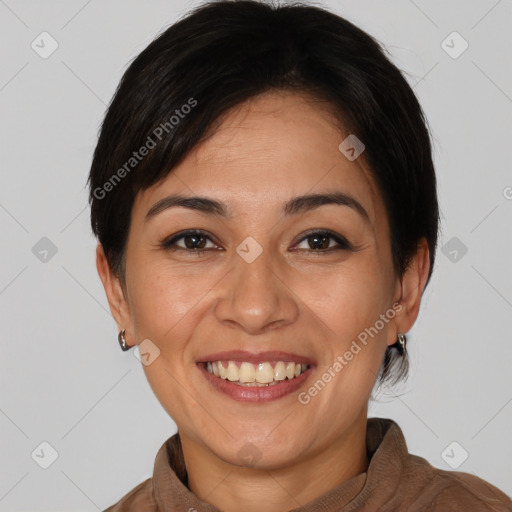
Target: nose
[[255, 296]]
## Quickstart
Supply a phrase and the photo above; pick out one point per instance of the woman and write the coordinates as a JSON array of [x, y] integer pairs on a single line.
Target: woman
[[265, 202]]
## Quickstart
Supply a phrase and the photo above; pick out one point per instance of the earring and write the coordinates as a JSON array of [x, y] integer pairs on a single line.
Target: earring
[[122, 341], [400, 343]]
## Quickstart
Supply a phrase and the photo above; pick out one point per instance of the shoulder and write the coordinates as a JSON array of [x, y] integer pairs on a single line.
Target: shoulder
[[139, 499], [411, 483], [449, 491]]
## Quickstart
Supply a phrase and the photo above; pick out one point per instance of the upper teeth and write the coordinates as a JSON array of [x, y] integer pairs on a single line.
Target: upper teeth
[[262, 373]]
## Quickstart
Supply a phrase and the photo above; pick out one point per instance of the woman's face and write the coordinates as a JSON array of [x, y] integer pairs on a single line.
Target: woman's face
[[270, 286]]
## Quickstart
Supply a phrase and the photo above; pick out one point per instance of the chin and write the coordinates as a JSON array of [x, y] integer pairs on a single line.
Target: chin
[[262, 455]]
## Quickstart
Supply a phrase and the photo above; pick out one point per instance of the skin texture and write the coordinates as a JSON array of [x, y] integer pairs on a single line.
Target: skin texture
[[275, 147]]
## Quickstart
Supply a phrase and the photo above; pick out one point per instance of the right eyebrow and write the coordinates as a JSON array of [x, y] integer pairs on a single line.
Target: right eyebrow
[[201, 204]]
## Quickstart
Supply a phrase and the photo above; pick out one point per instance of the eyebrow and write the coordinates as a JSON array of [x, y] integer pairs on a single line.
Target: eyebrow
[[299, 204]]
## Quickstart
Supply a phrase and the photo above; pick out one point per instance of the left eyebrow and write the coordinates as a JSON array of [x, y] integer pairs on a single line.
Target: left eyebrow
[[305, 203], [299, 204]]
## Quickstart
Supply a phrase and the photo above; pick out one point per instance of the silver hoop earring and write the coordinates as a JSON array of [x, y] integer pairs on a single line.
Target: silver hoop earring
[[122, 341], [401, 342]]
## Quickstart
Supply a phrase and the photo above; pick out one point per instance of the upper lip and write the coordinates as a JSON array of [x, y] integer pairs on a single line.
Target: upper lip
[[255, 357]]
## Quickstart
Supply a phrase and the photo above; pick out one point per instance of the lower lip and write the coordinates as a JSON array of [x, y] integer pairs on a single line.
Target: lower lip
[[255, 393]]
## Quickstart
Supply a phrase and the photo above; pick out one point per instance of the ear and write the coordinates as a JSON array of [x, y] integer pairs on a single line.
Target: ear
[[115, 294], [410, 290]]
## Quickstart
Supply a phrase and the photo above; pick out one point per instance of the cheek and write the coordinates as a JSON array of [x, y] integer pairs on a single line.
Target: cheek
[[163, 295], [347, 300], [167, 304], [350, 304]]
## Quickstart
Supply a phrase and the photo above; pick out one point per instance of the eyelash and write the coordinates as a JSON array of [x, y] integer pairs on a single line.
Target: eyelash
[[343, 244]]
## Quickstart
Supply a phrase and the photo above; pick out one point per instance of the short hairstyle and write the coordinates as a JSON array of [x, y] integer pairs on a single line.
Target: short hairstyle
[[224, 53]]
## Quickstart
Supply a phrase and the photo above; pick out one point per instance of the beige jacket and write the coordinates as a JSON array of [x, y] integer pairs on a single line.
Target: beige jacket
[[395, 481]]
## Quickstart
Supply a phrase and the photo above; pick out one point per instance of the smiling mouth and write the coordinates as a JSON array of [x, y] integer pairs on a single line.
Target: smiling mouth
[[262, 374]]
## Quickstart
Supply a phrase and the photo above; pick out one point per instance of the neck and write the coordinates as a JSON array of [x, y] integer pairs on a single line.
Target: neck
[[231, 488]]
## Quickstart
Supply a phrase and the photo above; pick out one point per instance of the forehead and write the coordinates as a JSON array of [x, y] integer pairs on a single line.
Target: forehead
[[266, 151]]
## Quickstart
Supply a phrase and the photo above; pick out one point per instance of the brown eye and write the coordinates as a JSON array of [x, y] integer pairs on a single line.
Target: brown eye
[[319, 241], [322, 241], [193, 241]]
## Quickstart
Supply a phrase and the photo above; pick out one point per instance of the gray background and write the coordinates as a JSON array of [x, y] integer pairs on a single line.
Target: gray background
[[64, 379]]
